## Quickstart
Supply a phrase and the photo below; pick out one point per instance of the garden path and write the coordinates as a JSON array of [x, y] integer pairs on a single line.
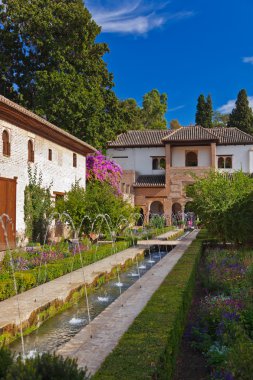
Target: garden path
[[108, 327]]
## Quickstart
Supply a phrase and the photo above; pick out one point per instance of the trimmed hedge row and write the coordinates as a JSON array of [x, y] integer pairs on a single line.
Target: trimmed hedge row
[[148, 350], [30, 278]]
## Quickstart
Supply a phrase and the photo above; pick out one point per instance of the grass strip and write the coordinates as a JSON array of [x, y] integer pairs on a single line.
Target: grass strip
[[148, 350]]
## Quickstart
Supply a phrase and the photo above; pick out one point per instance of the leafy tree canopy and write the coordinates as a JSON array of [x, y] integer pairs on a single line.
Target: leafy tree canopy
[[224, 204], [99, 198], [220, 119], [51, 63], [151, 115], [154, 109], [174, 124], [242, 116]]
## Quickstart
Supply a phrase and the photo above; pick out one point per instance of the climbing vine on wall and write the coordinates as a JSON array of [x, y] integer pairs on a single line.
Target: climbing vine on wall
[[37, 206]]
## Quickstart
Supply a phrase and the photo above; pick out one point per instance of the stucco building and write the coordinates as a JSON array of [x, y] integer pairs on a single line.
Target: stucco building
[[158, 164], [27, 139]]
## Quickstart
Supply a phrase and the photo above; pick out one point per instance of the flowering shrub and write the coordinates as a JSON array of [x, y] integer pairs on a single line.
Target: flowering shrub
[[100, 168]]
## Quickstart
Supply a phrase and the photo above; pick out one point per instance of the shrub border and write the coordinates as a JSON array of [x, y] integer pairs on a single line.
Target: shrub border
[[148, 350]]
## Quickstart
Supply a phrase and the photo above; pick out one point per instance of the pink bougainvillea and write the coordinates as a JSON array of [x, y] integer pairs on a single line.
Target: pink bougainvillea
[[102, 169]]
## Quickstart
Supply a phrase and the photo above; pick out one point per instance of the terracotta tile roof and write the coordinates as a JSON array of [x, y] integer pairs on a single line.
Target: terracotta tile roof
[[44, 123], [140, 138], [150, 181], [221, 135], [231, 136], [191, 133], [158, 137]]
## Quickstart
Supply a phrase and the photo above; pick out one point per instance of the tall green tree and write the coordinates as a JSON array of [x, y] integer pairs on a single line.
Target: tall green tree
[[154, 109], [204, 111], [130, 114], [201, 110], [51, 63], [242, 117], [209, 112]]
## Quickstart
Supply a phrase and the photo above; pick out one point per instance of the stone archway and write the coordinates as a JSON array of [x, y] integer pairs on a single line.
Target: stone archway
[[176, 208], [156, 208], [177, 214]]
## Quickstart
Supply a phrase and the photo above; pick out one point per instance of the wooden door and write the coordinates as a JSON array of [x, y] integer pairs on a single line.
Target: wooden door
[[8, 207]]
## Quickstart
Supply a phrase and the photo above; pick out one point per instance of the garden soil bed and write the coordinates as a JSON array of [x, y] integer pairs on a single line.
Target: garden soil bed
[[191, 364]]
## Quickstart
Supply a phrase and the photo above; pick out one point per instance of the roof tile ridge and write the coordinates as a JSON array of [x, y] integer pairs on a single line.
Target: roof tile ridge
[[172, 133], [206, 130], [245, 133], [33, 115], [145, 130]]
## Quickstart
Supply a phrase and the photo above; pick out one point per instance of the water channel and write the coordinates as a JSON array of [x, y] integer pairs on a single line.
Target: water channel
[[62, 327]]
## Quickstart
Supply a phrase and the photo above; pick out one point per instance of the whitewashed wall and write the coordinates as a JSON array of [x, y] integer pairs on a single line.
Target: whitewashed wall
[[178, 155], [138, 159], [60, 171], [240, 156]]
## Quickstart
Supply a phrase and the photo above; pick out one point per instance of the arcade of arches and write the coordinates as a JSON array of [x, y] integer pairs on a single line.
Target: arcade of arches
[[175, 212]]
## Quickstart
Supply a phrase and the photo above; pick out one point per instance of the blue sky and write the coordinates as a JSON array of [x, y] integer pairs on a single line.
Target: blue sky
[[180, 47]]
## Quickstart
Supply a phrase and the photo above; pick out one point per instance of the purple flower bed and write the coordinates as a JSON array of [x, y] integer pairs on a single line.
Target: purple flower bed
[[223, 331], [37, 256]]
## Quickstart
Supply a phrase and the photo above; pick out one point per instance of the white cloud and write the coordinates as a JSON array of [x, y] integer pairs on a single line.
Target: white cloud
[[132, 16], [248, 60], [176, 108], [227, 108]]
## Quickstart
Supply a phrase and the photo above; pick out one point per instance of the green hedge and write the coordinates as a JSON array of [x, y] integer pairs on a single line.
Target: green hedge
[[148, 350], [31, 278]]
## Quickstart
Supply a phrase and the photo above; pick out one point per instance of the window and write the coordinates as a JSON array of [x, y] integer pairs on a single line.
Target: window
[[30, 151], [221, 162], [50, 154], [74, 160], [6, 144], [158, 163], [162, 163], [191, 159], [155, 164], [225, 162]]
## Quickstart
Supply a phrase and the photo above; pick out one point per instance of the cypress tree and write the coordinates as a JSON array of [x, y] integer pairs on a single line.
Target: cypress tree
[[209, 113], [204, 112], [242, 116], [201, 111]]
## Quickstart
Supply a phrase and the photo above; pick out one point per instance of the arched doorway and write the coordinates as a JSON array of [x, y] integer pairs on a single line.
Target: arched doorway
[[176, 208], [156, 208], [176, 216]]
